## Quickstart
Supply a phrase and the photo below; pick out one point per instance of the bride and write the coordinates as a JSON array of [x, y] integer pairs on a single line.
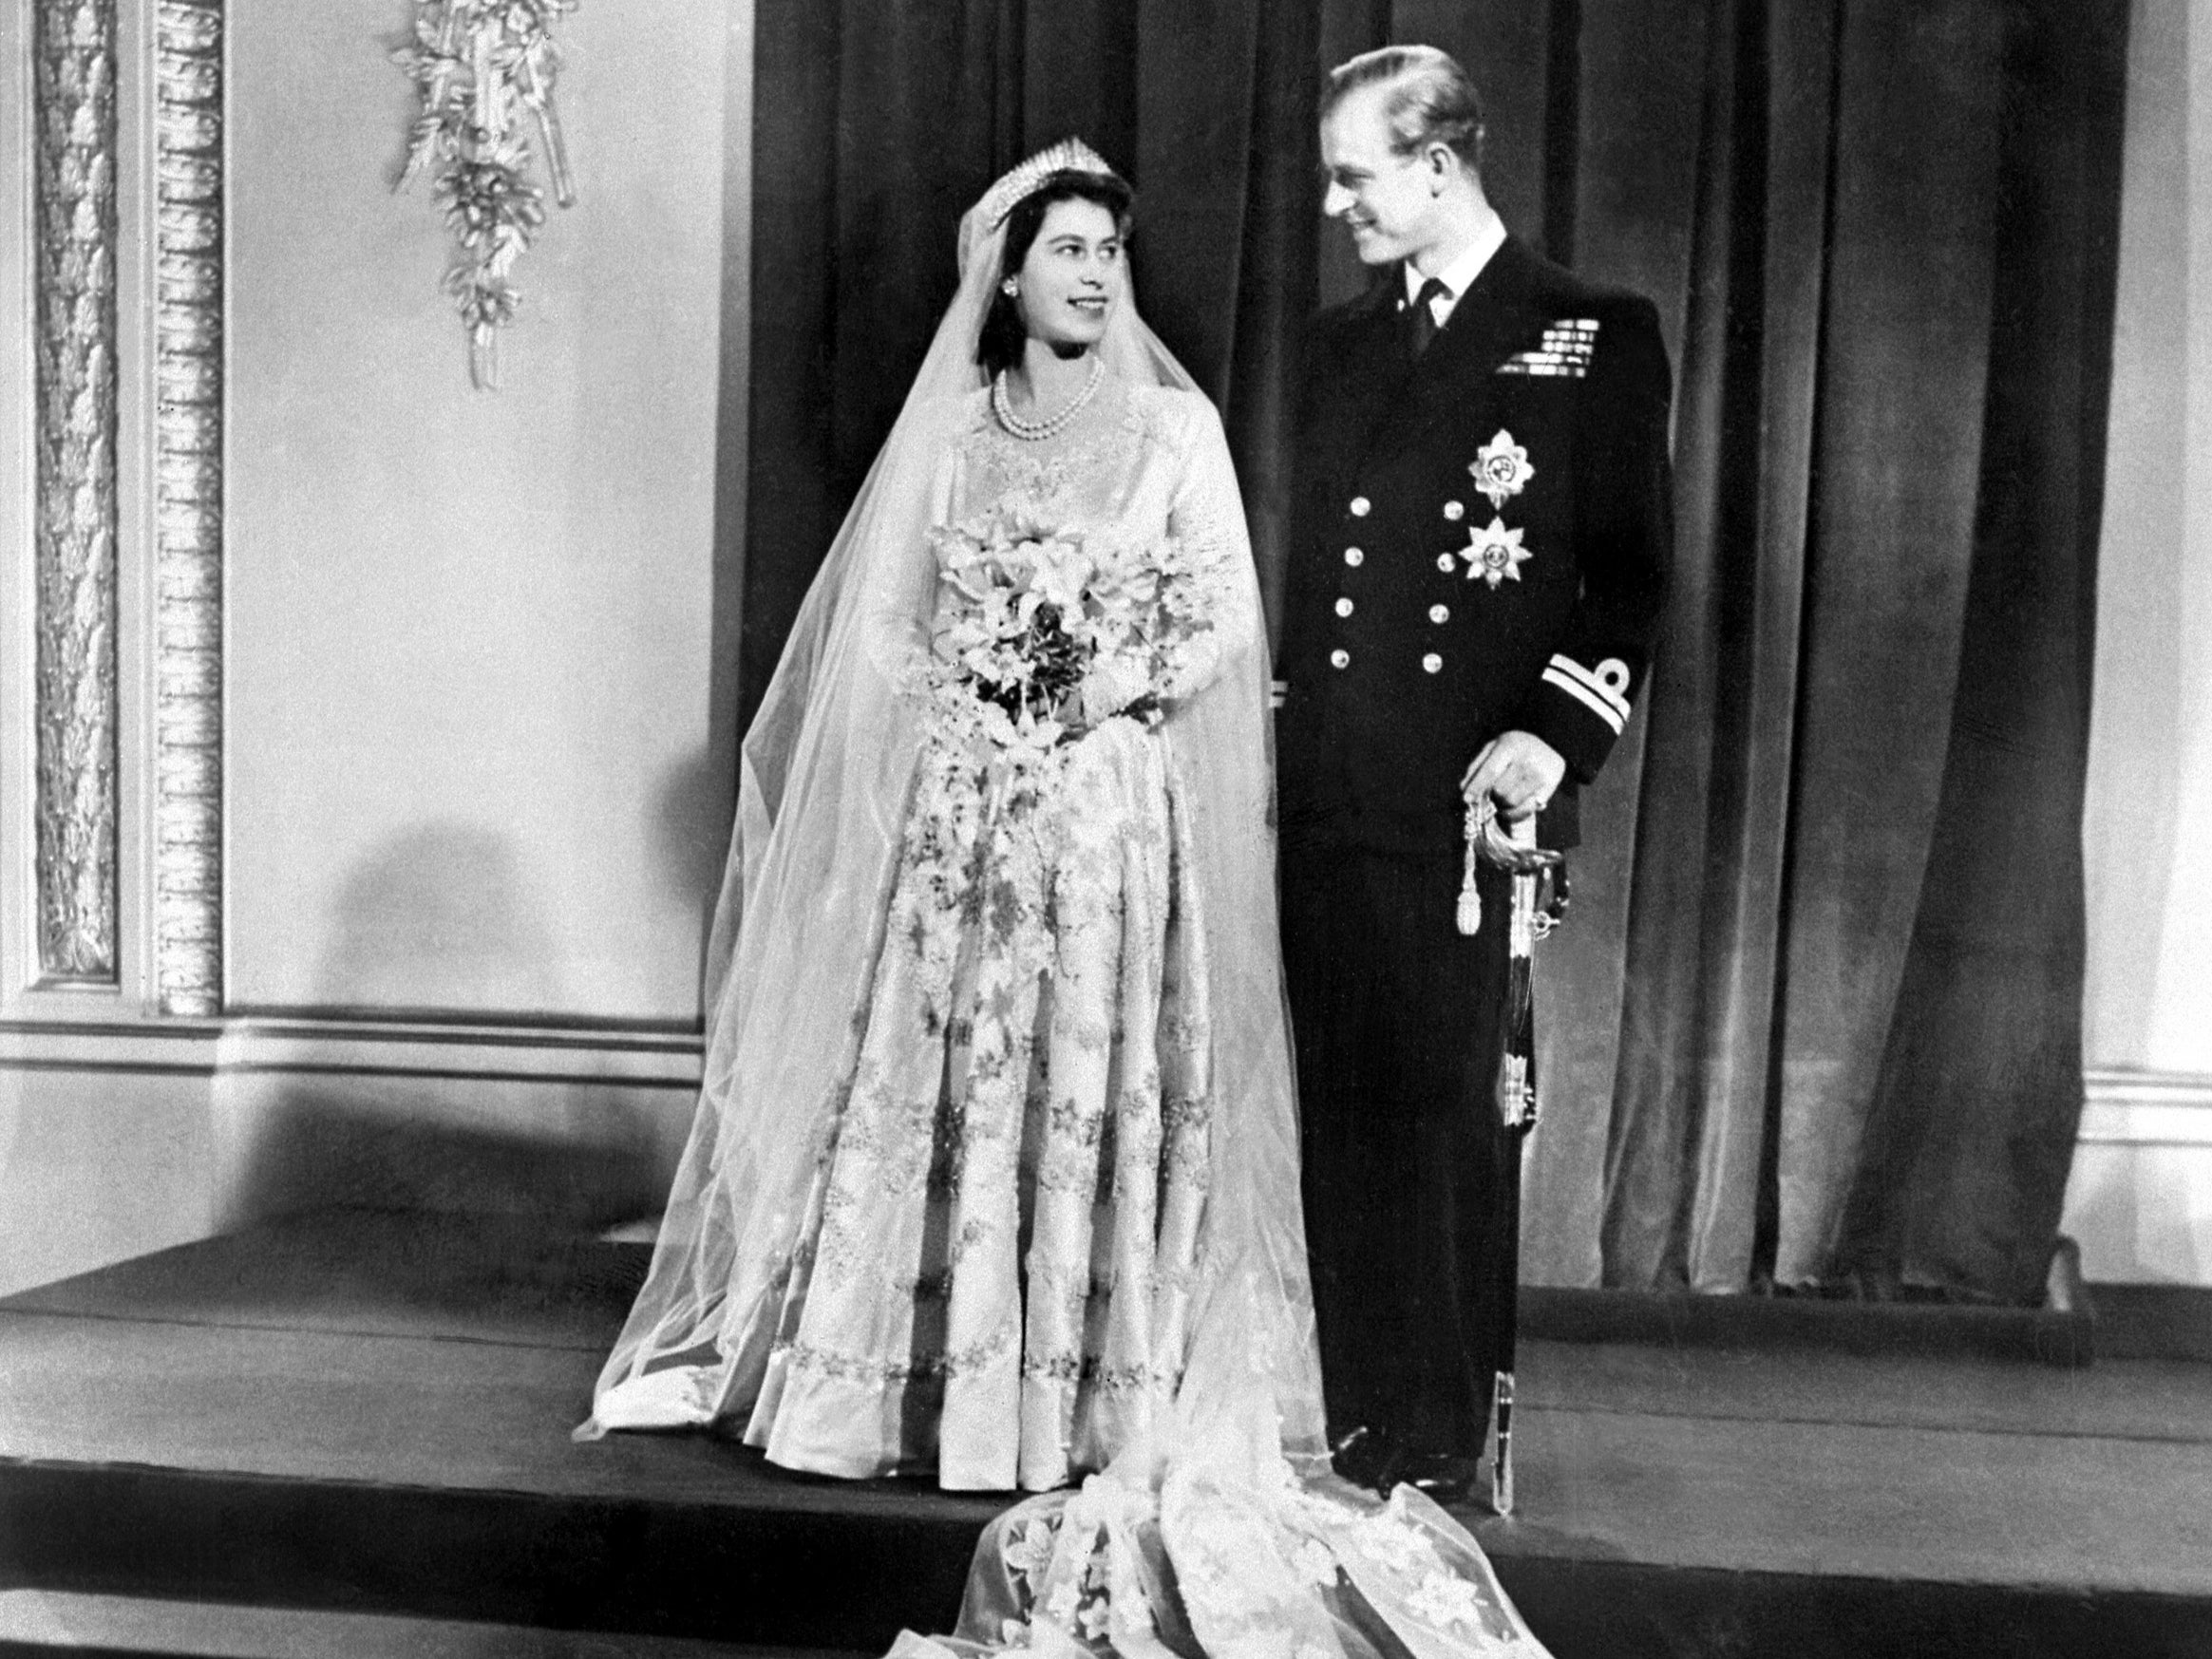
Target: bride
[[993, 1173]]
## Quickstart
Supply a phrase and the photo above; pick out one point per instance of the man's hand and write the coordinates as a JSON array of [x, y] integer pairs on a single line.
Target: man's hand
[[1517, 769]]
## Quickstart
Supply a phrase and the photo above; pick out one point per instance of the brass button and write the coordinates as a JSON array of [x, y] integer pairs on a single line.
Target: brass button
[[1445, 563], [1440, 612], [1340, 658], [1432, 662], [1455, 511], [1359, 506], [1344, 606], [1355, 557]]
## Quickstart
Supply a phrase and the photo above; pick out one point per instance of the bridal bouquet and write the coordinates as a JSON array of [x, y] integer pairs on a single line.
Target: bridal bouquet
[[1051, 631]]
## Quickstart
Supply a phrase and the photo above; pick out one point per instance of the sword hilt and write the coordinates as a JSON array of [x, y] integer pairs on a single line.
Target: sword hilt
[[1512, 847]]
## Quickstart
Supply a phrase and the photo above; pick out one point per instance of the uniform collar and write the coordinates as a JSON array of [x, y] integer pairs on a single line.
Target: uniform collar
[[1460, 275]]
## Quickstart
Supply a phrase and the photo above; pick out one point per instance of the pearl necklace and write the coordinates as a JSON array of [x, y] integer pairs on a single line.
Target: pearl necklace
[[1037, 431]]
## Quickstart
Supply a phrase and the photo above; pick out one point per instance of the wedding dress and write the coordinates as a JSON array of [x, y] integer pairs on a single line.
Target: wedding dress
[[1006, 1229], [993, 1174]]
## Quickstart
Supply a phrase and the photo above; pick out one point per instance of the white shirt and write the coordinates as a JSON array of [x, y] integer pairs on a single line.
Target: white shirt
[[1460, 275]]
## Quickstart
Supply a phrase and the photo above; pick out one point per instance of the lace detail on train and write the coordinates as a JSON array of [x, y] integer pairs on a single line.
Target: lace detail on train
[[1229, 1557]]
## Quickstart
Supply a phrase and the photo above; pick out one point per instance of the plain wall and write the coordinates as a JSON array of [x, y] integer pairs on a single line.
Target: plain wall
[[2140, 1198], [2147, 828], [472, 762]]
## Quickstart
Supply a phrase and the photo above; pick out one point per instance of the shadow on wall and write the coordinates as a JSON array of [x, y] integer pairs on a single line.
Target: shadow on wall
[[438, 918], [437, 922], [464, 1145]]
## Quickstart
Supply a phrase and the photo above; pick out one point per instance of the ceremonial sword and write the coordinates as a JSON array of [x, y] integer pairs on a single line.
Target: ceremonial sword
[[1540, 900]]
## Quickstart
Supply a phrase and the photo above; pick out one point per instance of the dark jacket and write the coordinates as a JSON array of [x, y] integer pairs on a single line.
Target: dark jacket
[[1406, 645]]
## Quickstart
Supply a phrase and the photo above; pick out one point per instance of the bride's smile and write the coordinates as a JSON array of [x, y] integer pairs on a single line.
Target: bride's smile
[[1073, 276]]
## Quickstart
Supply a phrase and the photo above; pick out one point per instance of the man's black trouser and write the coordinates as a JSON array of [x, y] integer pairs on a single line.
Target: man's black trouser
[[1396, 1017]]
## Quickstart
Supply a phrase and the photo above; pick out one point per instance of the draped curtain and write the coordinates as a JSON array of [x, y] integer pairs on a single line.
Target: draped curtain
[[1816, 1017]]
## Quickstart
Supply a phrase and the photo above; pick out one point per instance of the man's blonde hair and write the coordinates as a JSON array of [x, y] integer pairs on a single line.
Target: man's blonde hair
[[1428, 99]]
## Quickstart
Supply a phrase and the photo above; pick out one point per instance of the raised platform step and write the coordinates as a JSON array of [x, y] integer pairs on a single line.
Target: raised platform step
[[56, 1623], [368, 1414]]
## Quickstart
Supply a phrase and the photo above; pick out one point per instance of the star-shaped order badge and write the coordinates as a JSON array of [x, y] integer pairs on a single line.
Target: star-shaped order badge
[[1494, 552], [1500, 468]]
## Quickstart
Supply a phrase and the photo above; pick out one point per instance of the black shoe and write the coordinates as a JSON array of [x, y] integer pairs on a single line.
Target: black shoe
[[1443, 1477], [1363, 1456]]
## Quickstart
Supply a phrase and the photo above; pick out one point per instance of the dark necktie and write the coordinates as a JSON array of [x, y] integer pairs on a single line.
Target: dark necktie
[[1423, 328]]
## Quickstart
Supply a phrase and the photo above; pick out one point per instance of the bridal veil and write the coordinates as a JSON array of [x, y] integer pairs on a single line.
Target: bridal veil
[[826, 770]]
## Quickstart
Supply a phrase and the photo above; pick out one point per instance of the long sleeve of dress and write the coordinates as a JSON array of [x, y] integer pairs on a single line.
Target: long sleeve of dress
[[1207, 520]]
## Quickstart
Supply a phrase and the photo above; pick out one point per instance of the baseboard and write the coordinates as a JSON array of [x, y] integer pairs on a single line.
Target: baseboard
[[2139, 1198], [2146, 1108], [281, 1044]]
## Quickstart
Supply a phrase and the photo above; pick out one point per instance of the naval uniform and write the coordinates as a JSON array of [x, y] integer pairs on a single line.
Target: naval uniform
[[1481, 534]]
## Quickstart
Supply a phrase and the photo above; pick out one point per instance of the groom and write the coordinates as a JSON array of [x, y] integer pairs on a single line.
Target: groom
[[1483, 533]]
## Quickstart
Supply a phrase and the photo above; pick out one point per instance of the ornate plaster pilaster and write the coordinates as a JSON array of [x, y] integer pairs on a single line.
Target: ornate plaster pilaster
[[188, 622], [74, 346]]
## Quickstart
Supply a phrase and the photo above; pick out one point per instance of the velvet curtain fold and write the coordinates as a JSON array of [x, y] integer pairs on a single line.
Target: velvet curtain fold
[[1816, 1017], [1850, 1033]]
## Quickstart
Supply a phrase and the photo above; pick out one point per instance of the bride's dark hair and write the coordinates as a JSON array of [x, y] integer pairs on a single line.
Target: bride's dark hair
[[1003, 337]]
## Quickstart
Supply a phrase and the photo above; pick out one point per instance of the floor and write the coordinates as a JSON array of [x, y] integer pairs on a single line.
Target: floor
[[449, 1354]]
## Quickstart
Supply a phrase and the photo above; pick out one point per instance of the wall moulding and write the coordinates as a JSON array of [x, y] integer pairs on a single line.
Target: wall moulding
[[75, 488], [2146, 1108], [188, 516], [126, 588], [583, 1055]]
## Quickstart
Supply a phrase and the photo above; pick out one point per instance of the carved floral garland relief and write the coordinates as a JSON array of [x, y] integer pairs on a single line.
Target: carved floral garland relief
[[74, 344], [479, 66], [77, 512]]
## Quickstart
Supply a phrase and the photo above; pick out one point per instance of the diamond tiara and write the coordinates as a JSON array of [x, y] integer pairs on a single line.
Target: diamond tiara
[[1068, 156]]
